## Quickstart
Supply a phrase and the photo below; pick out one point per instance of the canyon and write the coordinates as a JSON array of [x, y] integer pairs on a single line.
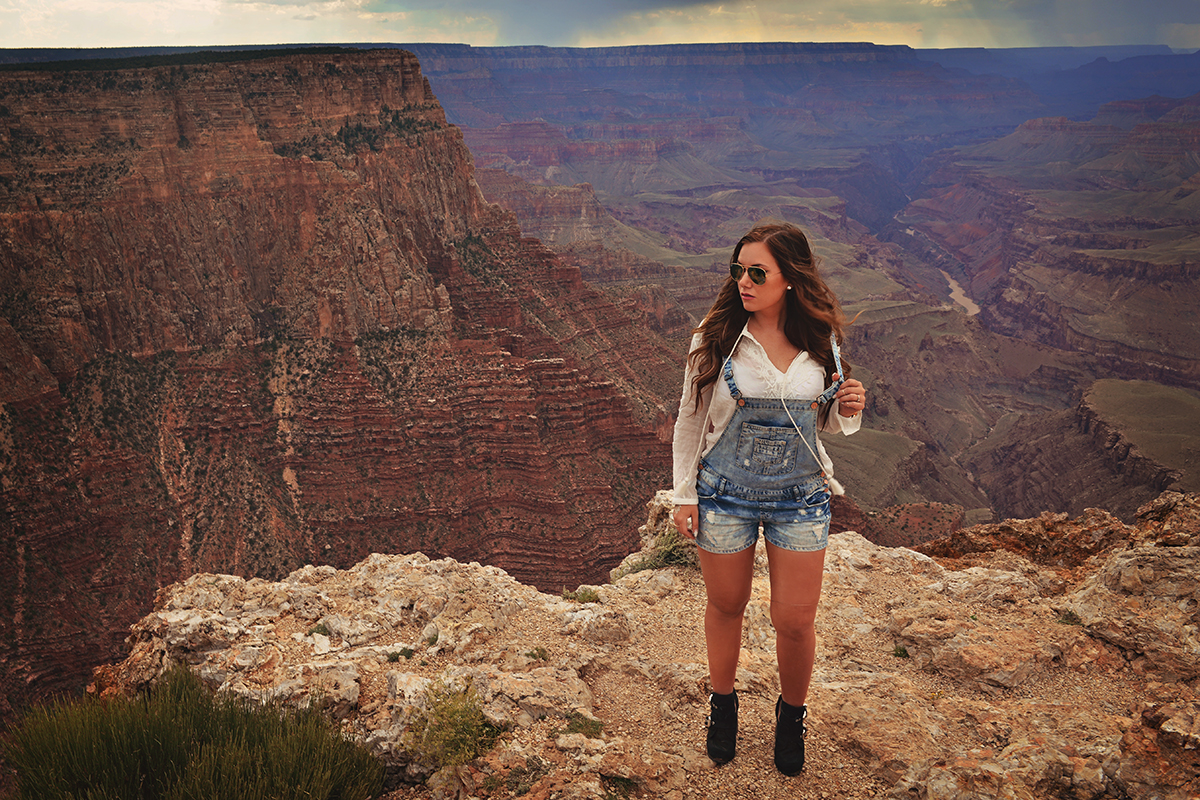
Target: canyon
[[258, 315], [268, 309], [1070, 240]]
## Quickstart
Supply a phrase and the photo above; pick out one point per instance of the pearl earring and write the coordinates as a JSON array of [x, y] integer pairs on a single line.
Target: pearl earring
[[789, 286]]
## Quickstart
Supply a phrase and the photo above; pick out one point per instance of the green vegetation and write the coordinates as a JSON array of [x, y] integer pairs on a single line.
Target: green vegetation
[[118, 397], [452, 731], [395, 123], [900, 651], [392, 360], [670, 550], [538, 653], [182, 741], [584, 594], [578, 723], [521, 779], [1069, 617]]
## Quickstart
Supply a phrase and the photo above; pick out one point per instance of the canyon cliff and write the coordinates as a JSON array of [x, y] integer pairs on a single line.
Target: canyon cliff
[[255, 314]]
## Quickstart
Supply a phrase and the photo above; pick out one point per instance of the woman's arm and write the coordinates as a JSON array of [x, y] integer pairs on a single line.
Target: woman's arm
[[689, 435]]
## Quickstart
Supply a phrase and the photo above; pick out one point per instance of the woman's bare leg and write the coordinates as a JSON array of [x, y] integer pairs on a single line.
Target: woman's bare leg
[[727, 582], [795, 592]]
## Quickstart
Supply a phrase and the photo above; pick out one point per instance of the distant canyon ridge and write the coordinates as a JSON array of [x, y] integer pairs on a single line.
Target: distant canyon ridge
[[272, 308], [1054, 189]]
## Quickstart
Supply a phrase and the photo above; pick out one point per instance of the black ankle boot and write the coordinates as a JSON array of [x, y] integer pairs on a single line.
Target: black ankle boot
[[722, 726], [789, 737]]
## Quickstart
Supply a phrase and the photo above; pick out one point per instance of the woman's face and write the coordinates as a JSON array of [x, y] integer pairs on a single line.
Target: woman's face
[[770, 296]]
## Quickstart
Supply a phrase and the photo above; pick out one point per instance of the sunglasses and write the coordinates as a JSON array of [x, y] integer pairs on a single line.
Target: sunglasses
[[757, 274]]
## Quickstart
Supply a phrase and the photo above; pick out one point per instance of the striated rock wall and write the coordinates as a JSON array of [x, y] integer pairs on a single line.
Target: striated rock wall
[[257, 314], [1078, 235], [1082, 455], [109, 203]]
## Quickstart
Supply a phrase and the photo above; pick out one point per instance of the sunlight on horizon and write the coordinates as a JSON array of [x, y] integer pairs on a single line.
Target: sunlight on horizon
[[490, 23]]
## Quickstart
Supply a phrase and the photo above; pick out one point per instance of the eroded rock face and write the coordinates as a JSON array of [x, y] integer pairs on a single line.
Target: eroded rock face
[[1044, 270], [257, 315], [997, 692]]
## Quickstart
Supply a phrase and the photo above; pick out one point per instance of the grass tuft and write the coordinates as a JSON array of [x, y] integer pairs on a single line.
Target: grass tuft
[[1069, 617], [452, 731], [180, 741], [578, 723], [670, 550]]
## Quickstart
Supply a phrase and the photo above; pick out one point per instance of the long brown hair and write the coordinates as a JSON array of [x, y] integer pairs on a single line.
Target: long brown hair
[[811, 313]]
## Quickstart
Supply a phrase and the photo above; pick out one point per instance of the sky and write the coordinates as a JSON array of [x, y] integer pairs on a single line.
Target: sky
[[599, 23]]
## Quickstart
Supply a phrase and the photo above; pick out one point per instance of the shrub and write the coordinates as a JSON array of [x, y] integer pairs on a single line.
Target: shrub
[[452, 731], [581, 595], [900, 651], [181, 741], [670, 550]]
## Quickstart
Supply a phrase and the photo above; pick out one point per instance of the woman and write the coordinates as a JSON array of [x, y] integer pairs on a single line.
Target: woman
[[764, 373]]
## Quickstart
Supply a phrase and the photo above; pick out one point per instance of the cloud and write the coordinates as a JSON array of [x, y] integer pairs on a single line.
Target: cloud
[[920, 23], [545, 22]]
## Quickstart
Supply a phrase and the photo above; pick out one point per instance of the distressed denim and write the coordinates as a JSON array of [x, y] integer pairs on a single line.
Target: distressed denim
[[763, 471]]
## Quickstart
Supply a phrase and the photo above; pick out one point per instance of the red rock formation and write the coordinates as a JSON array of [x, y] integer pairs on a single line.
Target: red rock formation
[[1081, 455], [1053, 540], [1079, 235], [257, 314]]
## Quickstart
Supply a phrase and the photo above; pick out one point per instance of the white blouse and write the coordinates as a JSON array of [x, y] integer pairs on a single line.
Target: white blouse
[[755, 376]]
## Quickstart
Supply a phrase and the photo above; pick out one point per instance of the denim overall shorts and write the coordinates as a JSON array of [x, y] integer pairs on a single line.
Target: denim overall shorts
[[764, 471]]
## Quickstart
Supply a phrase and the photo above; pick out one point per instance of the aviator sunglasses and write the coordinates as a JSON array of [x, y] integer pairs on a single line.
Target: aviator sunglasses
[[757, 274]]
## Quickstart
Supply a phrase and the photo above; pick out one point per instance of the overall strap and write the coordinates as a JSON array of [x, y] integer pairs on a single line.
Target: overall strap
[[827, 395], [727, 368], [729, 381]]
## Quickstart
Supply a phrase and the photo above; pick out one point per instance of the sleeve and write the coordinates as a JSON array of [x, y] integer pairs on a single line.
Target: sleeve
[[689, 434], [836, 423]]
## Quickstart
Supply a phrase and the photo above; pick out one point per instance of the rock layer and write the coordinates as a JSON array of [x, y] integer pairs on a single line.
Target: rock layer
[[256, 314]]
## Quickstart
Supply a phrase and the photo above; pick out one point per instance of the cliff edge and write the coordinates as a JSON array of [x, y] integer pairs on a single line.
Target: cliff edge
[[1039, 658]]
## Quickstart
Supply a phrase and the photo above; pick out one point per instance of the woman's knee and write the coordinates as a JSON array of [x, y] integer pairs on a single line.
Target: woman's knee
[[794, 621], [729, 605]]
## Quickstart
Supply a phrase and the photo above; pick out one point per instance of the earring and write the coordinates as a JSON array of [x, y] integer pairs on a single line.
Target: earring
[[789, 287]]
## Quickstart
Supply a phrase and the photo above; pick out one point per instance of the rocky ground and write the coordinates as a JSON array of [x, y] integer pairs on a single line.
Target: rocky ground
[[1064, 666]]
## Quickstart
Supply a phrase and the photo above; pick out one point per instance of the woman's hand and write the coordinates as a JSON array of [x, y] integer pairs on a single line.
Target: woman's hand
[[852, 397], [687, 521]]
